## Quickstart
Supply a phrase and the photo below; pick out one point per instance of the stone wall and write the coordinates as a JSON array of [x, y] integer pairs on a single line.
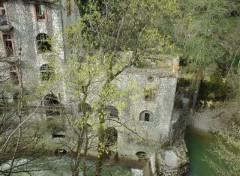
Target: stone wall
[[21, 15], [149, 135], [147, 116]]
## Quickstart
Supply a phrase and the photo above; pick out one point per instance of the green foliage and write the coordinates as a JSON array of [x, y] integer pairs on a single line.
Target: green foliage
[[208, 34], [214, 89], [125, 25], [206, 29], [110, 37], [227, 151]]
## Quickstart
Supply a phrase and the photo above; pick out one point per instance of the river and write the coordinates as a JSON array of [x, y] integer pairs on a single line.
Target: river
[[199, 144], [61, 166]]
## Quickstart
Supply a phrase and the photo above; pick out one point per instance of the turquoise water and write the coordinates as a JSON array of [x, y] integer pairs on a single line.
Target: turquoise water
[[199, 144]]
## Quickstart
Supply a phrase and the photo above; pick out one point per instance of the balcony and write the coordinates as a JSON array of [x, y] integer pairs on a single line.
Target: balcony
[[5, 26]]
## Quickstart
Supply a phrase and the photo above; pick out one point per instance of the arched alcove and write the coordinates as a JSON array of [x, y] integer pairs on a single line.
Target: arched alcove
[[146, 116], [111, 136], [112, 111], [141, 155]]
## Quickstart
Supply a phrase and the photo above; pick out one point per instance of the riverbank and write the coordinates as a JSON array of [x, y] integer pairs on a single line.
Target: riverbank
[[200, 138], [216, 116]]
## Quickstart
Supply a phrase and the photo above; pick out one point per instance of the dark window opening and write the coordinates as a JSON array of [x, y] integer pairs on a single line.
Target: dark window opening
[[3, 16], [8, 42], [147, 117], [52, 105], [55, 135], [40, 12], [141, 155], [14, 76], [43, 42], [111, 136], [112, 111], [46, 72]]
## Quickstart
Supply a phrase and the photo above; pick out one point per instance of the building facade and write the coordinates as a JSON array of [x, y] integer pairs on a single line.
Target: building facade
[[32, 35]]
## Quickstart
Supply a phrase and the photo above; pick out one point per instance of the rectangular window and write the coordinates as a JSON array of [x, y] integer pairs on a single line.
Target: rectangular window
[[147, 117], [3, 16], [14, 75], [8, 43], [40, 12]]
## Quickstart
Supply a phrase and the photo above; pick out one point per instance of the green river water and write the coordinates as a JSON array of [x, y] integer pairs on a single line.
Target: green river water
[[199, 144]]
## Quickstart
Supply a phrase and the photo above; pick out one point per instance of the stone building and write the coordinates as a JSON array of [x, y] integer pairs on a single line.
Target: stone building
[[28, 29]]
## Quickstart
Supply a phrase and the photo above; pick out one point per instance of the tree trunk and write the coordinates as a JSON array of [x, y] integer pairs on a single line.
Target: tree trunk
[[85, 153], [101, 147], [76, 164]]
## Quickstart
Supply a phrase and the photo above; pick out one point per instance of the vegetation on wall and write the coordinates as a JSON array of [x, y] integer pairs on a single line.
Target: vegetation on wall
[[113, 35], [109, 37]]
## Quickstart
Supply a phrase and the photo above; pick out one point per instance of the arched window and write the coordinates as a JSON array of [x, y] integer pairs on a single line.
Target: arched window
[[141, 155], [111, 136], [52, 105], [46, 72], [146, 116], [43, 42], [84, 107], [112, 111]]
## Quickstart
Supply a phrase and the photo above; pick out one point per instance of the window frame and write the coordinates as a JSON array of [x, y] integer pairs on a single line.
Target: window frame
[[12, 43], [52, 105], [3, 8], [14, 75], [46, 72], [43, 40], [37, 19]]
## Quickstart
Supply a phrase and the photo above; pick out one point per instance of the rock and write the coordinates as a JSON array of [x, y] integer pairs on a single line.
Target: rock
[[175, 161], [171, 159]]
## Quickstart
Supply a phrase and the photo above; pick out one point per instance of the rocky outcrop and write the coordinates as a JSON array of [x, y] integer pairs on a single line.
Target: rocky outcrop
[[175, 161], [169, 161]]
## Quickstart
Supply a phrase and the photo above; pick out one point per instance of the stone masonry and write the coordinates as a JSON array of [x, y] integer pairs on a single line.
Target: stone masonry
[[148, 115]]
